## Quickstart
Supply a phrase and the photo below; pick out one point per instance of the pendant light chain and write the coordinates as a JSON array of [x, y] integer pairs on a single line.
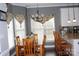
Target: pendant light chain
[[68, 14], [73, 11], [37, 9]]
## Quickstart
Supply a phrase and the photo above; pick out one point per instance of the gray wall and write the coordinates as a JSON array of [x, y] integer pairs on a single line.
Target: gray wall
[[19, 10], [45, 11], [16, 9]]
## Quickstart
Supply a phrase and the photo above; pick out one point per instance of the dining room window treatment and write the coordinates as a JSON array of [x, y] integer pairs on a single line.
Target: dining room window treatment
[[20, 31], [16, 27], [37, 28], [47, 28]]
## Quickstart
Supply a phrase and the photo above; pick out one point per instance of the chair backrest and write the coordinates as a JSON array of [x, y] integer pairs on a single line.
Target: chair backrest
[[19, 47], [28, 46], [17, 40], [44, 40], [57, 41], [36, 38], [57, 36]]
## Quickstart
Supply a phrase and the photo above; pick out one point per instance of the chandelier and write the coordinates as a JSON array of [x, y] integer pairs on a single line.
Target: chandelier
[[40, 17]]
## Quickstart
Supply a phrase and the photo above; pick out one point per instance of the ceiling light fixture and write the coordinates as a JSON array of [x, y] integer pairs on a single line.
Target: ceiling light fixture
[[74, 20], [68, 17], [38, 17], [41, 17]]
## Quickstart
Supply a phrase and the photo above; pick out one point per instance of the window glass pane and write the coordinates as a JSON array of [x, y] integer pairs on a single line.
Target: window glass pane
[[37, 28], [20, 29]]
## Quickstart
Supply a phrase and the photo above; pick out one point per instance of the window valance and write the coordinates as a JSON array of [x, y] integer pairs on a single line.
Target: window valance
[[9, 17], [20, 18]]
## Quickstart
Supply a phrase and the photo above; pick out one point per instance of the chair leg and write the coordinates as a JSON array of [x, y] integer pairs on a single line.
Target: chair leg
[[17, 51]]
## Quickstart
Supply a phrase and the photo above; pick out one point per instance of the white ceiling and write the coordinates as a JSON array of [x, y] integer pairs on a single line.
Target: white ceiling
[[33, 5]]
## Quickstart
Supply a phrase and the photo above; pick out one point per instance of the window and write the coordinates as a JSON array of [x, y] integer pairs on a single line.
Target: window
[[49, 27], [41, 29], [37, 28], [20, 29]]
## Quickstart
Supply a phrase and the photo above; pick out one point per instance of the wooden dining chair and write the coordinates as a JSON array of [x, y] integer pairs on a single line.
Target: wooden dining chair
[[57, 44], [66, 46], [19, 48], [36, 38], [43, 45], [44, 40], [17, 40], [28, 47], [35, 43], [41, 48], [61, 46]]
